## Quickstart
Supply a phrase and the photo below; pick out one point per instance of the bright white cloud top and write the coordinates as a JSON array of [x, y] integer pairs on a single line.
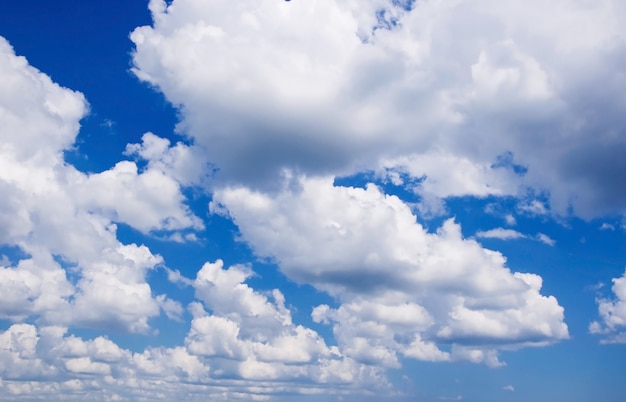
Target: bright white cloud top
[[335, 137]]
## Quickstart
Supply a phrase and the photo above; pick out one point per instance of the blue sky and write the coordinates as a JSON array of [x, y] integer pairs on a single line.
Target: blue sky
[[312, 200]]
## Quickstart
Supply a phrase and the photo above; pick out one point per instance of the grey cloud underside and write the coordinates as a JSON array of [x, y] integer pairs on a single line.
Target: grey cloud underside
[[265, 91]]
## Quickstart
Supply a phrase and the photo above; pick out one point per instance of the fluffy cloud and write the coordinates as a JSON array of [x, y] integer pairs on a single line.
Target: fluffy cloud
[[256, 336], [419, 89], [72, 269], [403, 290], [246, 348], [612, 323]]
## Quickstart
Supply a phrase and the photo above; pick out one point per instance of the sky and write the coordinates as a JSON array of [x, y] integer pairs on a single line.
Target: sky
[[313, 200]]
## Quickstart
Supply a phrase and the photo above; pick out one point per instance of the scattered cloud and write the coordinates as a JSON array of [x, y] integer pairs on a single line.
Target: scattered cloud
[[612, 323], [277, 100], [510, 220]]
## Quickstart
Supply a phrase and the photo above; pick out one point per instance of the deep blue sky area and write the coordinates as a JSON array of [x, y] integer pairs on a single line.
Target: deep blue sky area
[[182, 269]]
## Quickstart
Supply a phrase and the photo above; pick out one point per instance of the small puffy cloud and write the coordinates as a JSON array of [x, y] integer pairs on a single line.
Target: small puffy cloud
[[545, 239], [532, 207], [510, 220], [612, 323], [509, 388], [184, 163], [500, 233]]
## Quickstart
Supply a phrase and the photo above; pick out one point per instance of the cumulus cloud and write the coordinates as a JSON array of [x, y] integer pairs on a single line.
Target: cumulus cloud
[[419, 89], [612, 323], [73, 270], [241, 344], [366, 249], [277, 99]]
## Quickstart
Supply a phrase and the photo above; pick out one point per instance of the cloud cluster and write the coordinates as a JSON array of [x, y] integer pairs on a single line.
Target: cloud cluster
[[246, 347], [71, 269], [445, 98], [62, 267]]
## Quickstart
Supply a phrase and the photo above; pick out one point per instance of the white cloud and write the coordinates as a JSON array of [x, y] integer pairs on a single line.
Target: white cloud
[[545, 239], [510, 234], [254, 336], [509, 388], [612, 323], [308, 91], [442, 93], [500, 233], [607, 226], [367, 250], [246, 349], [74, 270], [533, 207], [510, 220]]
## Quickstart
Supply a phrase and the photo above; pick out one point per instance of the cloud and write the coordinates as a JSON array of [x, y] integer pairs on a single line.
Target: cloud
[[510, 234], [509, 388], [607, 226], [241, 344], [367, 250], [277, 100], [72, 268], [500, 233], [419, 89], [545, 239], [612, 312]]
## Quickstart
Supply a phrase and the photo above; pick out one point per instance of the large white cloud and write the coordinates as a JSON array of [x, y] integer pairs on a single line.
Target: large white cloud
[[337, 87], [402, 289]]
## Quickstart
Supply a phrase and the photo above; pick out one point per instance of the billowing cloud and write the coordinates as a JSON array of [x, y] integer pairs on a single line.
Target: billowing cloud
[[403, 290], [466, 96]]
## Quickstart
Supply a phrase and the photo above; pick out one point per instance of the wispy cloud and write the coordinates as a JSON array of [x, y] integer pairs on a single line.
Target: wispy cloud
[[510, 234]]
